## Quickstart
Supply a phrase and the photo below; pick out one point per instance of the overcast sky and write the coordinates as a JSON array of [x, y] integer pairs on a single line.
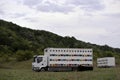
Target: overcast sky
[[95, 21]]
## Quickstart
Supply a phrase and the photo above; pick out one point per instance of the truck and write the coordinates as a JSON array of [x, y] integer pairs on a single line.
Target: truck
[[106, 62], [63, 59]]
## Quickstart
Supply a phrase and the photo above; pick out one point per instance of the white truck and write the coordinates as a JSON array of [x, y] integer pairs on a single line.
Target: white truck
[[63, 59], [106, 62]]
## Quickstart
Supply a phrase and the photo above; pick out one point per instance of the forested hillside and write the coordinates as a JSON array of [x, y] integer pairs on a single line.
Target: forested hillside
[[19, 43]]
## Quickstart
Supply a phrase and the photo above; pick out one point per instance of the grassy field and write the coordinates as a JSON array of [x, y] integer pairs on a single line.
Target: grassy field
[[18, 71], [26, 74]]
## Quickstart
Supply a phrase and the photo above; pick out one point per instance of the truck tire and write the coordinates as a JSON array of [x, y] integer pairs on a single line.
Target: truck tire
[[42, 70]]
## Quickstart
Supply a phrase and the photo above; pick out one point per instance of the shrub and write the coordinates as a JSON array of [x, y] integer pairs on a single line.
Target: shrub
[[23, 55]]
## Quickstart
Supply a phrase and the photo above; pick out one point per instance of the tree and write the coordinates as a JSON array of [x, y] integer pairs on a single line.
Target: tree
[[23, 55], [108, 54]]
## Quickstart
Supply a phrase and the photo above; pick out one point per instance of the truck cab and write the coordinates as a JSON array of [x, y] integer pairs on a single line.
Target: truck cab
[[39, 63]]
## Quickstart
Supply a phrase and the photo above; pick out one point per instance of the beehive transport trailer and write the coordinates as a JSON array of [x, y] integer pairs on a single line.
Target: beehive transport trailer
[[106, 62], [64, 59]]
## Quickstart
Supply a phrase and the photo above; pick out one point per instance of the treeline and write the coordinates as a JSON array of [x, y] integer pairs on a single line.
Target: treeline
[[19, 43]]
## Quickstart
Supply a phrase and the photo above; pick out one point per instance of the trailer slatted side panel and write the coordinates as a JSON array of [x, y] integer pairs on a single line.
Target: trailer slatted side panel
[[62, 57], [106, 62]]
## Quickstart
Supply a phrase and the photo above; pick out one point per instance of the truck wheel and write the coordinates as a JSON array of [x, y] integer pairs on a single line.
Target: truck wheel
[[42, 70]]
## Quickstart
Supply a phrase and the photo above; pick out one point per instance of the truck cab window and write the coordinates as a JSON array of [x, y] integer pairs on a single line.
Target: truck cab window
[[39, 59]]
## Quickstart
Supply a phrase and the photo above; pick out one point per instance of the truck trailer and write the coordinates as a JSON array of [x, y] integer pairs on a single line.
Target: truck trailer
[[106, 62], [63, 59]]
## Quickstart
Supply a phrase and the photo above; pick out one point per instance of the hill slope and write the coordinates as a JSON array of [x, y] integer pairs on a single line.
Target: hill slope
[[16, 41]]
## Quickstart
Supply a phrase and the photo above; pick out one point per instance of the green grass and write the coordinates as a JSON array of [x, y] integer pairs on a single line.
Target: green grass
[[22, 71], [27, 74]]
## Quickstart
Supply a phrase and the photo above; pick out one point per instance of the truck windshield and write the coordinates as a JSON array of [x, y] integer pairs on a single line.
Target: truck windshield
[[39, 59]]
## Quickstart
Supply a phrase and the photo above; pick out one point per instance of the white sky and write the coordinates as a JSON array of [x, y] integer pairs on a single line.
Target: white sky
[[94, 21]]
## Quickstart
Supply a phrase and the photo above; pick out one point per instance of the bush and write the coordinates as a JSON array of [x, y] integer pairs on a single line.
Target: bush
[[4, 58], [23, 55]]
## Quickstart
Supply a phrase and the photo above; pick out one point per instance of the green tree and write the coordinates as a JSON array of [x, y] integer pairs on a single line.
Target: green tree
[[23, 55], [108, 54]]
